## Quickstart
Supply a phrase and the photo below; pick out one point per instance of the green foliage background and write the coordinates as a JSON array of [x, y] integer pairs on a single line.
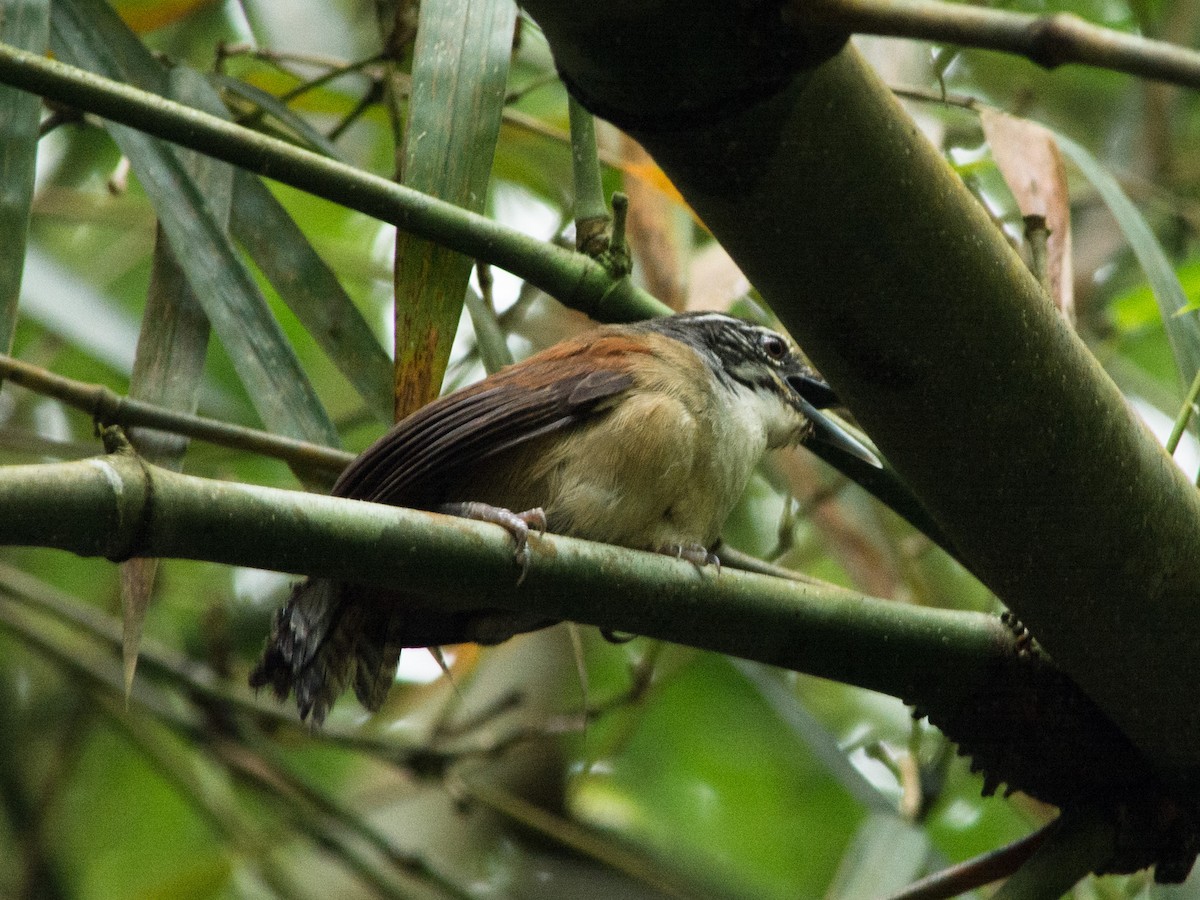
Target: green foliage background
[[695, 775]]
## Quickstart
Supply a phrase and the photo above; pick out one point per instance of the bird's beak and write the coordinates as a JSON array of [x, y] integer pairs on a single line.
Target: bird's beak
[[815, 395]]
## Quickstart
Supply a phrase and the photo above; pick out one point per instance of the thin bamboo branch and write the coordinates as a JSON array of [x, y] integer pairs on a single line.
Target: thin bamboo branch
[[571, 277], [117, 506], [974, 873], [1080, 842], [592, 220], [1048, 41], [108, 407]]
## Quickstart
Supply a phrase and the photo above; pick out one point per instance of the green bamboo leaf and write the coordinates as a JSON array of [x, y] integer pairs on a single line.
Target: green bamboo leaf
[[489, 335], [311, 291], [814, 734], [281, 112], [169, 366], [24, 24], [91, 322], [1183, 331], [460, 68], [175, 330], [885, 854], [88, 34]]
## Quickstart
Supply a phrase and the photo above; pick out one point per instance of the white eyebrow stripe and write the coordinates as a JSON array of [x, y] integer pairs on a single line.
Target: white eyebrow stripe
[[716, 317]]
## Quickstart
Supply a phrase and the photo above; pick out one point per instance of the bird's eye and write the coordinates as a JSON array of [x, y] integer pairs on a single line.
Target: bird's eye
[[774, 346]]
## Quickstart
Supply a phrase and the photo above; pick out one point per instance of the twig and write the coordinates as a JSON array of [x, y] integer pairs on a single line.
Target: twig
[[476, 786], [1077, 842], [320, 80], [1185, 415], [572, 278], [592, 221], [108, 407], [1049, 41], [976, 872]]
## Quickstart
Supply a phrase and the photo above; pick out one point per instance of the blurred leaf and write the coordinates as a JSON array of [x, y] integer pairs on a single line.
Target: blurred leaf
[[821, 743], [538, 162], [281, 112], [1182, 331], [90, 321], [168, 368], [149, 15], [885, 855], [24, 24], [460, 70], [311, 291], [651, 227], [1136, 308], [700, 771], [87, 33], [146, 834]]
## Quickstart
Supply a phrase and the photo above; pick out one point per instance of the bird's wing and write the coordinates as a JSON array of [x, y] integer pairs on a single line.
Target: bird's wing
[[455, 432]]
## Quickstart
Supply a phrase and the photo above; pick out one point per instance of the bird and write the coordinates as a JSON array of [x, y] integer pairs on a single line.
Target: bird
[[642, 435]]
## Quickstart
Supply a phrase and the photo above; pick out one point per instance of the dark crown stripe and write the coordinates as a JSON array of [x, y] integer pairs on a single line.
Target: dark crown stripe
[[731, 347]]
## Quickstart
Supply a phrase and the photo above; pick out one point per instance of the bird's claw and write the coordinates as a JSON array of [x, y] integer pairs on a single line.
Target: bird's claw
[[516, 524], [697, 554]]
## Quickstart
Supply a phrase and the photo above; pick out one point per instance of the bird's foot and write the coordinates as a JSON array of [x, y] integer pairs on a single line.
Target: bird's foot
[[697, 554], [1022, 637], [516, 524]]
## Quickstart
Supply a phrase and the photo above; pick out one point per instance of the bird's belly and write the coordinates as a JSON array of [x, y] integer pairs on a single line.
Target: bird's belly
[[653, 478]]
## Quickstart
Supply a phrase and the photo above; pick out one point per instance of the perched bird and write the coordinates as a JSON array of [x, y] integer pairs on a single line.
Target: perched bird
[[639, 435]]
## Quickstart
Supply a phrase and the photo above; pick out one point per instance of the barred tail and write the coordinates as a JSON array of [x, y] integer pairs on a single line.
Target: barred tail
[[320, 639]]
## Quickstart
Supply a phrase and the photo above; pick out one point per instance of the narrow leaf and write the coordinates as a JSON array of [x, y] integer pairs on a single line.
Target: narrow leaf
[[311, 291], [281, 112], [24, 24], [169, 366], [885, 854], [489, 334], [460, 67], [87, 33], [91, 322], [1183, 332]]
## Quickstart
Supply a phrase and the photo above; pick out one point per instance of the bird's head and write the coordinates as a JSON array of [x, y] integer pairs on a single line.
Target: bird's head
[[748, 357]]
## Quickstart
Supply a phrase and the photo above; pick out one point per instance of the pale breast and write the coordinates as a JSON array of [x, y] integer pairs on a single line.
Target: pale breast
[[664, 466]]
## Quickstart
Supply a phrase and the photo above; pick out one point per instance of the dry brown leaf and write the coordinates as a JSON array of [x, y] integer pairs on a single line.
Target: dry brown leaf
[[1031, 164], [870, 562], [650, 228]]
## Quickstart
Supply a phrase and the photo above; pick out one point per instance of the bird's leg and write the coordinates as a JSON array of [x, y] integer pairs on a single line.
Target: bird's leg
[[697, 554], [516, 524]]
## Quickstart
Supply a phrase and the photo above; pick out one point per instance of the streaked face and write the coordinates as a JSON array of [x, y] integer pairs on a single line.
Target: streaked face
[[747, 356]]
